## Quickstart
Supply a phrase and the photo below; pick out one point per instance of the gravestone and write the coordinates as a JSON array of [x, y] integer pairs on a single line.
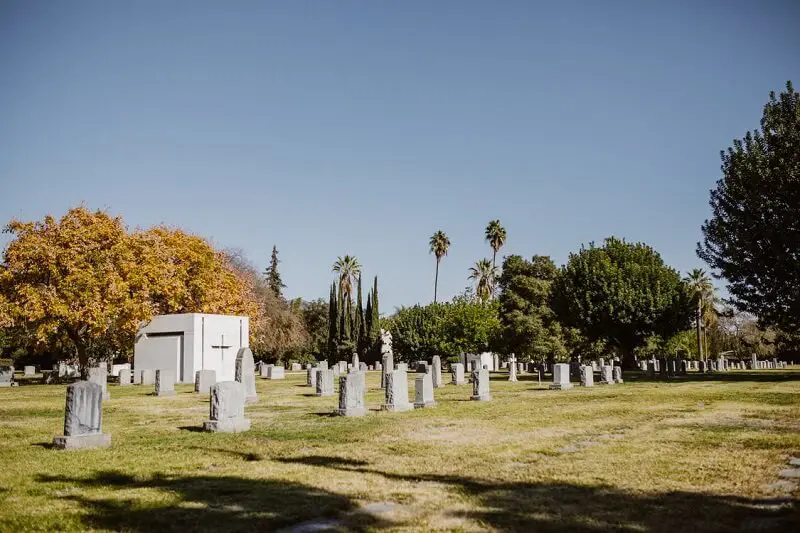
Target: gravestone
[[457, 372], [560, 377], [148, 377], [83, 418], [396, 391], [136, 377], [227, 408], [297, 367], [7, 376], [324, 381], [351, 395], [436, 372], [165, 382], [402, 366], [480, 385], [753, 361], [520, 368], [99, 375], [388, 366], [421, 367], [342, 367], [124, 377], [701, 366], [276, 372], [246, 374], [335, 370], [607, 375], [354, 360], [264, 370], [512, 370], [28, 370], [322, 364], [662, 367], [378, 366], [587, 376], [362, 366], [473, 365], [617, 374], [423, 392], [311, 376], [204, 380]]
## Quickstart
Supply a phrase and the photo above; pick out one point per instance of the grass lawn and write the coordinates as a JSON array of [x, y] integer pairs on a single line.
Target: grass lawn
[[697, 454]]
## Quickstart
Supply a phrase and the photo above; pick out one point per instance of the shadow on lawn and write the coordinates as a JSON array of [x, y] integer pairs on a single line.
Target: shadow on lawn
[[210, 503], [561, 507]]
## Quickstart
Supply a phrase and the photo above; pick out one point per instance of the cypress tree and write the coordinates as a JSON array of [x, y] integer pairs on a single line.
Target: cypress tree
[[273, 276], [333, 324], [359, 331], [376, 325], [368, 321]]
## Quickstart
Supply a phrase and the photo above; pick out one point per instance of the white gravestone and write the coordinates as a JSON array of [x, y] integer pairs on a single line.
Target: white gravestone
[[587, 376], [324, 382], [227, 408], [423, 392], [436, 372], [311, 377], [607, 375], [617, 372], [83, 418], [397, 391], [99, 375], [351, 395], [275, 372], [204, 380], [512, 370], [457, 372], [29, 370], [246, 374], [480, 385], [124, 377], [165, 382], [148, 377], [561, 377]]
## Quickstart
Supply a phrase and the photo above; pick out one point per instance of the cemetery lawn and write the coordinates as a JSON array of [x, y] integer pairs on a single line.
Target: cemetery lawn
[[697, 454]]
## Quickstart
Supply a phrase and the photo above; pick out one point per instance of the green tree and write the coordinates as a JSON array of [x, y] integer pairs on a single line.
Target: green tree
[[273, 276], [349, 269], [439, 245], [753, 237], [484, 274], [359, 327], [333, 324], [700, 287], [530, 328], [621, 293], [496, 235], [315, 318]]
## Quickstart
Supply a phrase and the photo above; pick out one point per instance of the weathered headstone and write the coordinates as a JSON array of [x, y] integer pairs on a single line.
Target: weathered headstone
[[617, 374], [480, 385], [204, 380], [227, 408], [276, 372], [29, 370], [388, 366], [264, 369], [322, 364], [423, 392], [354, 360], [136, 377], [148, 376], [402, 366], [336, 371], [397, 391], [457, 371], [436, 372], [512, 370], [83, 418], [378, 366], [7, 376], [607, 375], [124, 377], [297, 367], [362, 367], [496, 361], [311, 376], [351, 395], [421, 367], [99, 375], [561, 377], [165, 382], [342, 366], [587, 376], [246, 374], [324, 382]]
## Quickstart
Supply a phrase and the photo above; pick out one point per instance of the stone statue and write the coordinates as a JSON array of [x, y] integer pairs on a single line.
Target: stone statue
[[386, 342]]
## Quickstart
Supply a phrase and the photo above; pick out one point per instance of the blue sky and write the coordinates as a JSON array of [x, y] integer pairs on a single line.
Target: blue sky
[[329, 128]]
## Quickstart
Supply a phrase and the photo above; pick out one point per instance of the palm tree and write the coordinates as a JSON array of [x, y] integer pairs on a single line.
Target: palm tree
[[439, 244], [702, 290], [496, 235], [349, 271], [484, 273]]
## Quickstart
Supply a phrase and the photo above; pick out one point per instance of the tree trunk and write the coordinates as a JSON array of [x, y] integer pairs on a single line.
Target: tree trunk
[[436, 282], [80, 348]]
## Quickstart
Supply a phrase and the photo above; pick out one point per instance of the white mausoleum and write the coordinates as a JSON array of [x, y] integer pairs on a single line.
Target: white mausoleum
[[190, 342]]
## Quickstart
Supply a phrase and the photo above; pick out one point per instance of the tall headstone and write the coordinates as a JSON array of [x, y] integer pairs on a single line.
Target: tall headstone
[[351, 395], [423, 392], [753, 361], [512, 370], [148, 376], [322, 364], [587, 376], [388, 366], [436, 372], [99, 375], [311, 376], [496, 362], [124, 377], [227, 408], [342, 366], [354, 360], [246, 374], [83, 418], [276, 372], [607, 375], [561, 377], [480, 385], [397, 391], [204, 380], [617, 374], [29, 370], [324, 381], [165, 382], [457, 374]]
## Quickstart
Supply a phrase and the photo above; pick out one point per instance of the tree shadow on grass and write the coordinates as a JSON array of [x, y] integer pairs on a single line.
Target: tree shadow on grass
[[208, 503], [566, 507]]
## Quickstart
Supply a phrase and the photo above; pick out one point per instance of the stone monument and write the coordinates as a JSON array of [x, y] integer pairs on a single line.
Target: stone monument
[[561, 377], [165, 382], [227, 408], [204, 380], [276, 372], [607, 375], [480, 385], [587, 376], [83, 418], [351, 395], [436, 372], [324, 382], [396, 391], [617, 374], [457, 372], [246, 374], [423, 392], [99, 375]]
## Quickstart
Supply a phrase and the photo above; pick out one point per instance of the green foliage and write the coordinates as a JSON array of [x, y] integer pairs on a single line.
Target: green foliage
[[484, 273], [462, 325], [530, 329], [496, 235], [439, 245], [315, 318], [753, 236], [621, 293], [273, 276]]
